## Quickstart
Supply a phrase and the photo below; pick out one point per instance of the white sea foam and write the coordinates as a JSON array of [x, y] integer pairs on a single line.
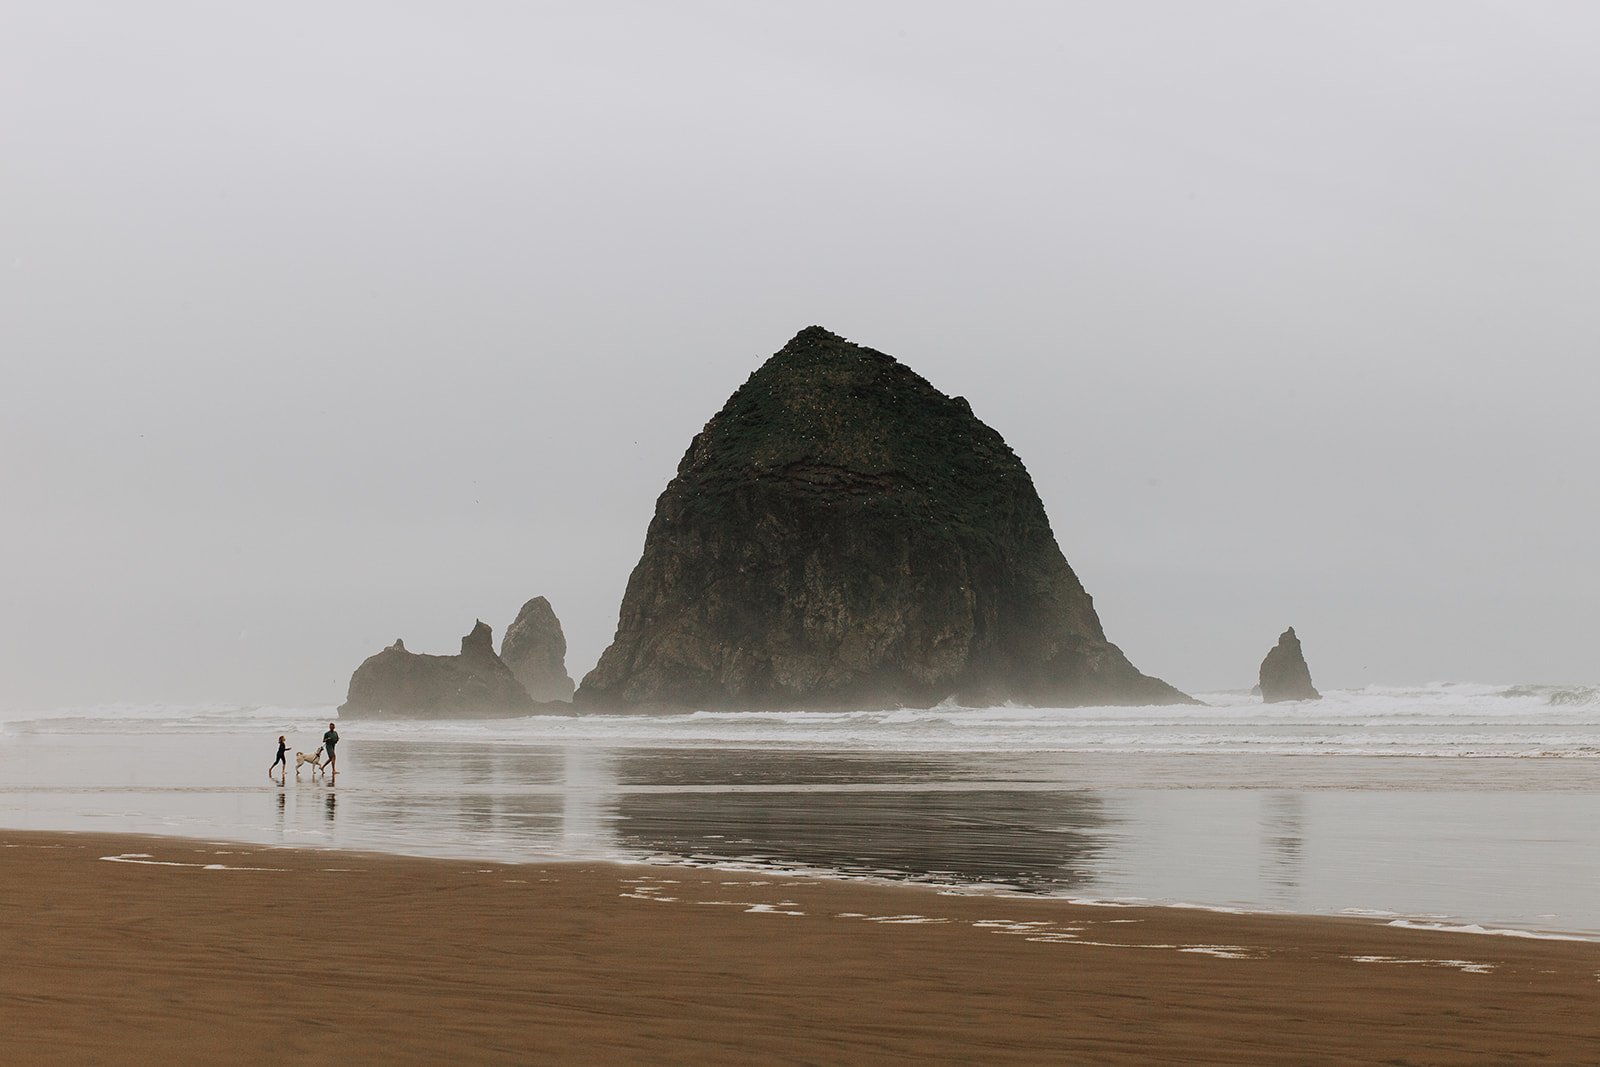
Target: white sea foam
[[1223, 952], [1469, 966], [1476, 928], [146, 860], [201, 718], [1440, 719]]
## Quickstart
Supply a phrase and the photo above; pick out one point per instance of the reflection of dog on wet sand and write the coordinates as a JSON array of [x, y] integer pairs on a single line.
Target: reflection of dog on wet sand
[[301, 759]]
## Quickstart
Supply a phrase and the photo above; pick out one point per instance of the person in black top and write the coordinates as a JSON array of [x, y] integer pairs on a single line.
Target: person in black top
[[330, 741], [283, 757]]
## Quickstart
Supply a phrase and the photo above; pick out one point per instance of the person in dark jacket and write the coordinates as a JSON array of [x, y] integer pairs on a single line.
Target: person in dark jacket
[[329, 741], [283, 757]]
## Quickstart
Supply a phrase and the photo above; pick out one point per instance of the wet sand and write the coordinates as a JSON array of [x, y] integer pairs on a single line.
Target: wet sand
[[324, 956], [1445, 840]]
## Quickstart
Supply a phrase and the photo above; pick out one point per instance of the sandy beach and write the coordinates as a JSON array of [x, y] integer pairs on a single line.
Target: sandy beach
[[122, 949]]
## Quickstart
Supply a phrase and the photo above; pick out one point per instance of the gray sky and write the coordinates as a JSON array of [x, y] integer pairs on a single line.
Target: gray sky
[[327, 323]]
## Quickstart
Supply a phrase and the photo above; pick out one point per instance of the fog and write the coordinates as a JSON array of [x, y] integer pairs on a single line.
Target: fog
[[326, 324]]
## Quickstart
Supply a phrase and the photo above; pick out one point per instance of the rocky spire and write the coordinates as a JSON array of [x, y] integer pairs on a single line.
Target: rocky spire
[[842, 534], [480, 641], [1284, 674], [536, 651]]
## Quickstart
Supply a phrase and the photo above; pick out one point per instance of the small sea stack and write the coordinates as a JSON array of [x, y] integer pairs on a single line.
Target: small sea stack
[[1284, 674], [536, 651], [844, 535], [400, 684]]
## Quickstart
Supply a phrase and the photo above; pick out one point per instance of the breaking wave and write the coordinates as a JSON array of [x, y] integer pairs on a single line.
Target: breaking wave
[[1576, 696]]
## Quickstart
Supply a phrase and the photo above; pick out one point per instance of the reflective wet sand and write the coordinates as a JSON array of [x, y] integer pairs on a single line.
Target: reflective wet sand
[[1508, 843]]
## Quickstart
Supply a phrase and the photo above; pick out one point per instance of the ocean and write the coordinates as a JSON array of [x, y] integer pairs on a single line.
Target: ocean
[[1458, 805]]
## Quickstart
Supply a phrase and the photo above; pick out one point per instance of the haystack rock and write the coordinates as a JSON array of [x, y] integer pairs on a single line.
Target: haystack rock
[[843, 535], [536, 651], [399, 684], [1284, 674]]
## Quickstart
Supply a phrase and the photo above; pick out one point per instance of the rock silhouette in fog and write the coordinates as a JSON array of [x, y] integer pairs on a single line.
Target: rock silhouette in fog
[[1284, 674], [842, 534], [400, 684], [536, 651]]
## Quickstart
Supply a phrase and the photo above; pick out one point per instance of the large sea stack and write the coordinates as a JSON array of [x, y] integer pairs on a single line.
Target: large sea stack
[[399, 684], [536, 651], [843, 535], [1284, 674]]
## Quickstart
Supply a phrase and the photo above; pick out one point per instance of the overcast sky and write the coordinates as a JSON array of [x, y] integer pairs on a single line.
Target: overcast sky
[[327, 323]]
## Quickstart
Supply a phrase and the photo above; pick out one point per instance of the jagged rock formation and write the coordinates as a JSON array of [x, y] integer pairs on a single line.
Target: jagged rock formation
[[842, 534], [536, 651], [404, 685], [1284, 674]]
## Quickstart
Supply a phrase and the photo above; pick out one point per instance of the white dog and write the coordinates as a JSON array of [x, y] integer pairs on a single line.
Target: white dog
[[301, 759]]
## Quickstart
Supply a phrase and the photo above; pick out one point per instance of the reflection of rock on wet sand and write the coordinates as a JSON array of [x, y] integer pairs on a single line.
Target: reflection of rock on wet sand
[[1283, 840], [1040, 841], [908, 816], [589, 802], [463, 790], [758, 766], [526, 802]]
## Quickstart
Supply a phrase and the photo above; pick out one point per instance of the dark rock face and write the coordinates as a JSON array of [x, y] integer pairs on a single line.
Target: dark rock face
[[842, 534], [398, 684], [1284, 674], [536, 651]]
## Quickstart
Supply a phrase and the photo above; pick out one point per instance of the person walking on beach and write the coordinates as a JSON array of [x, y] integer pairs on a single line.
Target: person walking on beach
[[283, 757], [329, 741]]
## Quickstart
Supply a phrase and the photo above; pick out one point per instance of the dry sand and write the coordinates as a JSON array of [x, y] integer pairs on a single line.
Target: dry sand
[[330, 956]]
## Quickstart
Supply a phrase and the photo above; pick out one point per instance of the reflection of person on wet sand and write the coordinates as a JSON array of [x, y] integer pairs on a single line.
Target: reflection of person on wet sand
[[283, 757], [329, 741]]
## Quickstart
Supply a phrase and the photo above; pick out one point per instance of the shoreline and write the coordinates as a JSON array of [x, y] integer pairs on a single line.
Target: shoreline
[[243, 951]]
